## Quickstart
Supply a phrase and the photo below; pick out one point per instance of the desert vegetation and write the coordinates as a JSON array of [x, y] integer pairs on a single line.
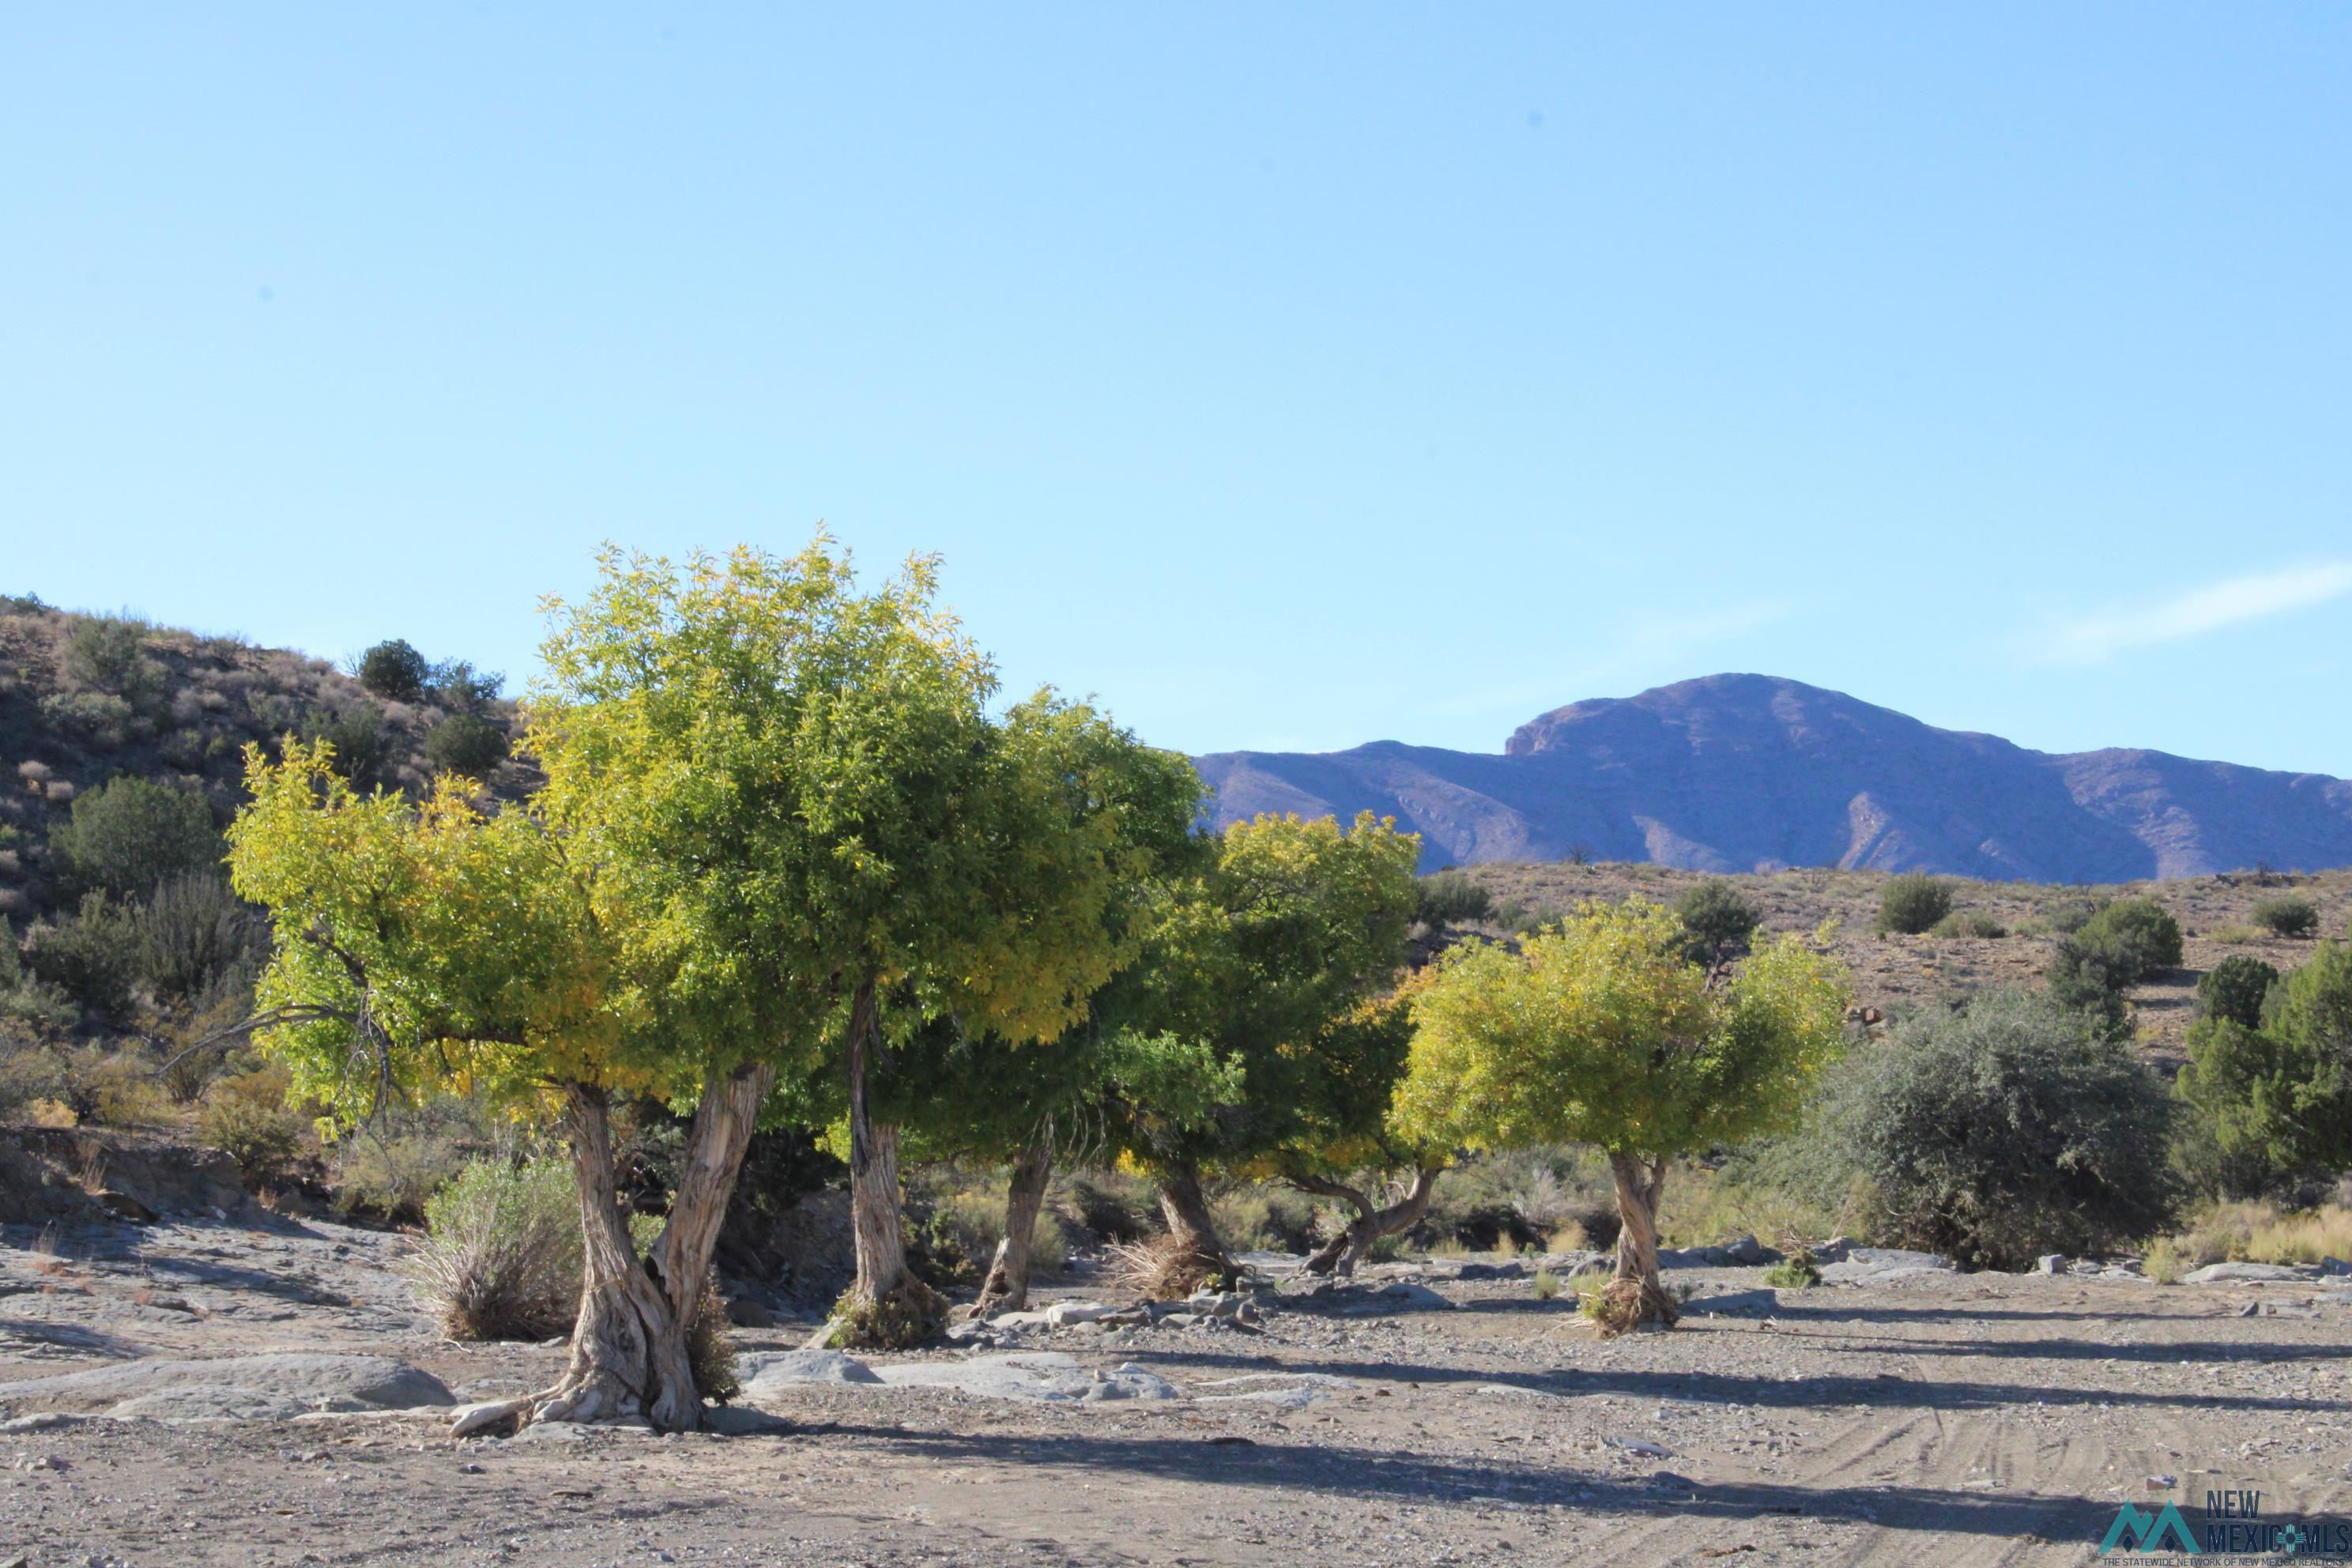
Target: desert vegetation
[[764, 891]]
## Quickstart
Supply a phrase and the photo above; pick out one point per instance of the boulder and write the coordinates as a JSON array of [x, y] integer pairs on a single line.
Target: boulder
[[1045, 1376], [765, 1372], [2242, 1274], [1062, 1314], [1881, 1264], [1513, 1271], [2053, 1263]]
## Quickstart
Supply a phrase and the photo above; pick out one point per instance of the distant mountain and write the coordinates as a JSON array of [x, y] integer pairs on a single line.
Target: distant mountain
[[1746, 772]]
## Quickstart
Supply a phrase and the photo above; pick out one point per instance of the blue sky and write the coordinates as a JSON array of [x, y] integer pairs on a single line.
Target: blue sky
[[1287, 377]]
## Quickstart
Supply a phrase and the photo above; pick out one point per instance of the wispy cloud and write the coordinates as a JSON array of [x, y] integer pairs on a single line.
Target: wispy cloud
[[2091, 638]]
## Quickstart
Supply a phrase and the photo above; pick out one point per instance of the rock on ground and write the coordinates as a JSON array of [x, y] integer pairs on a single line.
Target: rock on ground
[[239, 1388]]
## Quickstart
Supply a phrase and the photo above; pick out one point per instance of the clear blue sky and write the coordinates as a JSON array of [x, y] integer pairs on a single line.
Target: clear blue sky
[[1288, 377]]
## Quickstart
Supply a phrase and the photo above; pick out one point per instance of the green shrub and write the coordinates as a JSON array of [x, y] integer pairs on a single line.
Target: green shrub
[[246, 1117], [2164, 1265], [364, 749], [460, 688], [1720, 919], [2287, 916], [500, 1258], [93, 956], [1798, 1271], [466, 743], [194, 937], [393, 671], [1971, 923], [1545, 1284], [392, 1167], [107, 652], [2003, 1126], [1265, 1218], [1912, 903], [2141, 933], [29, 1070], [2068, 916], [1451, 898], [132, 833], [101, 716], [2235, 989], [2281, 1094]]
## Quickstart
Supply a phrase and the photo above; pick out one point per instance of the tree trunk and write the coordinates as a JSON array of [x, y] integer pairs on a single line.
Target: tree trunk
[[874, 1196], [1191, 1230], [629, 1359], [1006, 1288], [1636, 1296], [1349, 1247]]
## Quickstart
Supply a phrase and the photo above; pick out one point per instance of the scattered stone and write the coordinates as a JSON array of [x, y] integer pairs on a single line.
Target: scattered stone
[[2162, 1483], [1880, 1265], [1048, 1376], [2334, 1267], [467, 1420], [1734, 1301], [1062, 1314], [2250, 1310], [1641, 1446], [2052, 1263], [1513, 1271]]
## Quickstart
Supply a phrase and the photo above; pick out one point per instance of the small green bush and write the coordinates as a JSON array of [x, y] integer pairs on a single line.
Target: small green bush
[[194, 937], [2141, 933], [2003, 1126], [1547, 1285], [1912, 903], [1971, 923], [2068, 916], [132, 833], [1451, 898], [393, 671], [106, 651], [2287, 916], [2235, 989], [246, 1117], [1798, 1271], [364, 749], [1719, 918], [93, 956], [466, 743], [2282, 1091]]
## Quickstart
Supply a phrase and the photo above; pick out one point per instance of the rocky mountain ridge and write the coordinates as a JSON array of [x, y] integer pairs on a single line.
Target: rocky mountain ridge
[[1755, 773]]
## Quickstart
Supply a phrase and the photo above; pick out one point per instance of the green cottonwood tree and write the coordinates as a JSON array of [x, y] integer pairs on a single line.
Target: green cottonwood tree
[[797, 788], [1267, 961], [1601, 1031]]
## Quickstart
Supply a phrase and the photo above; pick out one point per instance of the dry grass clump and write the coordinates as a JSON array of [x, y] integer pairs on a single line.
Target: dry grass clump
[[501, 1256], [1162, 1268], [2256, 1232]]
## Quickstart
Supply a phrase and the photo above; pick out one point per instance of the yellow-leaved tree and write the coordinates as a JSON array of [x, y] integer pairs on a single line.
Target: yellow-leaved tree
[[1600, 1030]]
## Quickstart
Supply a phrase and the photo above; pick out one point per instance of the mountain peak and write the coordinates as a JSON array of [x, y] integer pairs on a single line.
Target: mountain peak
[[1742, 771]]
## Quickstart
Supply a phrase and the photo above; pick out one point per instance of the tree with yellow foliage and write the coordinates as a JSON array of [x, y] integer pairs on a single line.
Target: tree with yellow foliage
[[1601, 1030]]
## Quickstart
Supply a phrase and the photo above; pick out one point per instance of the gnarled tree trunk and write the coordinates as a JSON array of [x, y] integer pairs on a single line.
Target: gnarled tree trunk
[[1635, 1295], [874, 1198], [629, 1358], [1344, 1251], [1191, 1230], [1006, 1288]]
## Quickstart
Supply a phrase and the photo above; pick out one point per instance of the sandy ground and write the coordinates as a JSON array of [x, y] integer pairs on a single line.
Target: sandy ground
[[1941, 1418]]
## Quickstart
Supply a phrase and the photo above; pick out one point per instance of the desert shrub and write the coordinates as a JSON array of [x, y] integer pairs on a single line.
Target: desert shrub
[[132, 833], [392, 1167], [1720, 918], [500, 1258], [1159, 1267], [2164, 1264], [104, 651], [910, 1315], [194, 936], [2236, 935], [1970, 922], [460, 688], [1112, 1205], [30, 1071], [1451, 898], [2235, 989], [91, 955], [2287, 916], [1265, 1218], [246, 1117], [1546, 1284], [2280, 1092], [2003, 1126], [970, 1223], [113, 1088], [101, 716], [2068, 916], [393, 671], [464, 744], [711, 1346], [364, 749], [2141, 933], [1797, 1271], [1912, 903]]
